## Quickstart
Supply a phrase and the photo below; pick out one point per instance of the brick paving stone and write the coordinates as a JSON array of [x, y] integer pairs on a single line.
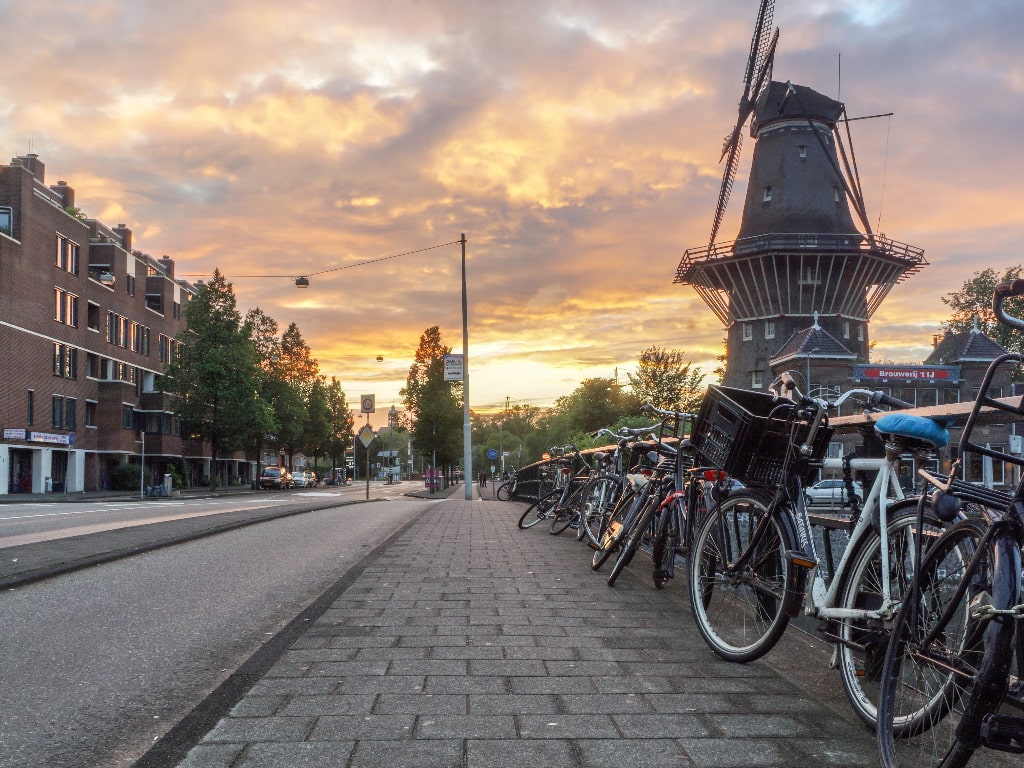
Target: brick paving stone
[[465, 642]]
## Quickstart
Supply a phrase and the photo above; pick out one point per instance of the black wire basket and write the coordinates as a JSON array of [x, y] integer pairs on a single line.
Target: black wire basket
[[736, 433]]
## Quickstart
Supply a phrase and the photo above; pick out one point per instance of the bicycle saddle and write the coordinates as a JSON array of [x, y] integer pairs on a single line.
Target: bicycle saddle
[[919, 428]]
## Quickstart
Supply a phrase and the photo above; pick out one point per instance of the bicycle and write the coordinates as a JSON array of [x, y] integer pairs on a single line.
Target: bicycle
[[630, 518], [508, 490], [608, 486], [547, 505], [948, 688], [754, 560]]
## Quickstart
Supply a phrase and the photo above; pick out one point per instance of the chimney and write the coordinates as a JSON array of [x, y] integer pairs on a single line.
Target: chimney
[[32, 164], [66, 193], [125, 235], [168, 266]]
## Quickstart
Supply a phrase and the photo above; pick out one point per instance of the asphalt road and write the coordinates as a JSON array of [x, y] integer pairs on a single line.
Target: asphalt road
[[100, 662]]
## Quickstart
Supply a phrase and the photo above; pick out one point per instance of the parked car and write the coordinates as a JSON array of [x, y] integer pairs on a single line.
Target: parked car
[[276, 478], [301, 479], [832, 493]]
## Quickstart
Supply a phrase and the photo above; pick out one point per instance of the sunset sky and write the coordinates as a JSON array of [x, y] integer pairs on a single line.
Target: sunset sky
[[574, 142]]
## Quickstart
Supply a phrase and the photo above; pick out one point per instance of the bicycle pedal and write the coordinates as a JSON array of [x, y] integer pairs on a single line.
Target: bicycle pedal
[[1004, 733]]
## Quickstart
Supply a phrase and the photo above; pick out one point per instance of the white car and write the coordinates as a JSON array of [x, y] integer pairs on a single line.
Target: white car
[[301, 479], [832, 493]]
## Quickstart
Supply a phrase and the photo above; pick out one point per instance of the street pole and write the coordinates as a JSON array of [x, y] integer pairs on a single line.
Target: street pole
[[467, 433], [367, 463], [142, 478]]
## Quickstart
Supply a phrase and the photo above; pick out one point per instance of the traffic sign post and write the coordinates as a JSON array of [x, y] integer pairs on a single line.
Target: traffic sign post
[[366, 437]]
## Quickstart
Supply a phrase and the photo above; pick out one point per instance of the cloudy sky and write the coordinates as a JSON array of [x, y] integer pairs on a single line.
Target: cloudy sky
[[574, 142]]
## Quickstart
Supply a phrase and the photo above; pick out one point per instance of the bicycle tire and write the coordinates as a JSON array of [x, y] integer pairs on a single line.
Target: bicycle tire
[[617, 520], [863, 641], [597, 507], [562, 519], [503, 493], [539, 510], [663, 547], [932, 703], [740, 616], [632, 538]]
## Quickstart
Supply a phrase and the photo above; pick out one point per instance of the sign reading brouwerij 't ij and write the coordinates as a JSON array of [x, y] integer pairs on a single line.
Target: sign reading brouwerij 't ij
[[930, 373], [453, 368]]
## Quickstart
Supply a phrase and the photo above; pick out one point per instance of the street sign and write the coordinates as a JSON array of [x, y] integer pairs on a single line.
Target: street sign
[[367, 404], [366, 436], [453, 368], [492, 454]]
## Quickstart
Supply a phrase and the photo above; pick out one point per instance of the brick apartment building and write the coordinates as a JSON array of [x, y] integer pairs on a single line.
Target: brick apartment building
[[86, 326]]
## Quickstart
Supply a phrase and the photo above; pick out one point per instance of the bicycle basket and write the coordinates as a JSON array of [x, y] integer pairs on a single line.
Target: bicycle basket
[[734, 433]]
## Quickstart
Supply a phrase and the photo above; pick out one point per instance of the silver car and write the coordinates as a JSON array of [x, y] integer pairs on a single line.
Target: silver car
[[832, 493]]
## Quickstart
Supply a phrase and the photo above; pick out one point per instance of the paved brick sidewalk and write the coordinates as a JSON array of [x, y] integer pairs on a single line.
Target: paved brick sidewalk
[[467, 642]]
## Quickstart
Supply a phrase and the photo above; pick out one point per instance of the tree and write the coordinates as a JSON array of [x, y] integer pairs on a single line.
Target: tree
[[595, 403], [434, 405], [215, 373], [974, 299], [342, 423], [664, 378]]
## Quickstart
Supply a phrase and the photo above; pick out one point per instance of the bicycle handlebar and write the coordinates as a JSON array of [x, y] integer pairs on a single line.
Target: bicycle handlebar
[[681, 415], [1004, 291]]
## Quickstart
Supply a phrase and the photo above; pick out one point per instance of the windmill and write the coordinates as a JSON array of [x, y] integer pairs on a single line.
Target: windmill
[[801, 277]]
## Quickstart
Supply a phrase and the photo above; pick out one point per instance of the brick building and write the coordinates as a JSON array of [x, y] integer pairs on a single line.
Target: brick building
[[951, 374], [86, 325]]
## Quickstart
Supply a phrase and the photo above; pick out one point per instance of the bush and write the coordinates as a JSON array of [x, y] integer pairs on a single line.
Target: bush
[[125, 477]]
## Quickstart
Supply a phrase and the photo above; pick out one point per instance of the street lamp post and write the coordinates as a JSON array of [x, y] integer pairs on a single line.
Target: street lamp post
[[392, 415], [808, 380]]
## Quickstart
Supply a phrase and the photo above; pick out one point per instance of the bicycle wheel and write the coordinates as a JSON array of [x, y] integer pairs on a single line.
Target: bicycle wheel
[[502, 493], [539, 510], [631, 538], [563, 517], [617, 521], [597, 507], [863, 641], [663, 547], [944, 670], [740, 614]]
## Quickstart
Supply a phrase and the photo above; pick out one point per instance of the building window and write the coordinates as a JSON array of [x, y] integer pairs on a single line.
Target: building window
[[65, 361], [90, 413], [67, 255], [30, 409], [950, 396], [129, 285], [909, 395], [929, 396], [860, 332], [803, 151], [846, 329], [748, 332], [69, 413], [93, 316], [767, 194], [7, 221], [836, 196], [769, 329], [756, 380], [65, 307], [58, 412], [127, 416], [809, 276]]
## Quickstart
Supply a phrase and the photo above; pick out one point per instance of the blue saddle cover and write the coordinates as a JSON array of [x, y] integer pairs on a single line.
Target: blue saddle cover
[[914, 427]]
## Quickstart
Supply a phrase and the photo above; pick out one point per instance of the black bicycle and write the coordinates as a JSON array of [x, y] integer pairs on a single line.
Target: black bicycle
[[947, 683]]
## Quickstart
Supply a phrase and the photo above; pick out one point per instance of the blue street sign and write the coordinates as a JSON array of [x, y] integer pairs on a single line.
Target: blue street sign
[[492, 454]]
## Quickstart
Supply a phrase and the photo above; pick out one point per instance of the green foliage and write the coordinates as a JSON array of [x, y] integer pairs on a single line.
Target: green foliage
[[974, 299], [75, 212], [665, 379], [126, 477], [215, 373], [434, 405]]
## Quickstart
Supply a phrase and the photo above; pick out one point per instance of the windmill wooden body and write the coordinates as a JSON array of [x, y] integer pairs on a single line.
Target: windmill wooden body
[[799, 264]]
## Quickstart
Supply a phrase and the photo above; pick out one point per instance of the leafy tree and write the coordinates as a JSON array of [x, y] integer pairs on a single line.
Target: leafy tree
[[216, 373], [974, 299], [434, 405], [595, 403], [294, 372], [342, 423], [665, 379]]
